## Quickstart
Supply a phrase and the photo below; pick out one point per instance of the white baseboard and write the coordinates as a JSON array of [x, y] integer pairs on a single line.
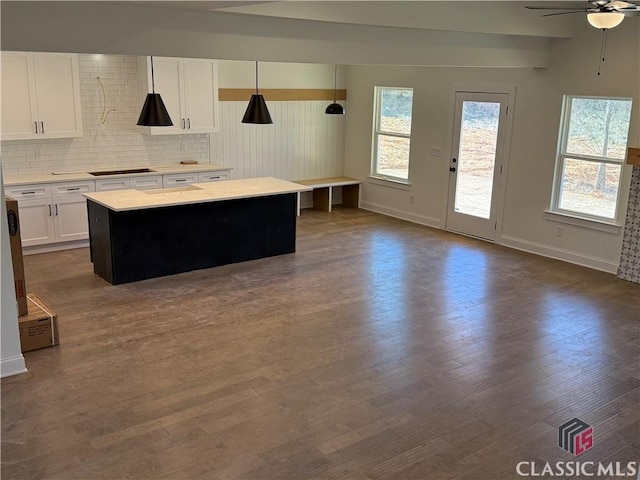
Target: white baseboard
[[54, 247], [12, 366], [559, 254], [401, 214]]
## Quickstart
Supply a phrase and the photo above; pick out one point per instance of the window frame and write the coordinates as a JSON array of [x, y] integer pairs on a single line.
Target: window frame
[[562, 155], [377, 131]]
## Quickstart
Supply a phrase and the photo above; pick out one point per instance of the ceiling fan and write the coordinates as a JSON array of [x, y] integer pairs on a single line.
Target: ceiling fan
[[601, 14]]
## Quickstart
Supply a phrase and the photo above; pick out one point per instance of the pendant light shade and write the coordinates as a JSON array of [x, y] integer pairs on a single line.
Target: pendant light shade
[[154, 113], [257, 111], [335, 108]]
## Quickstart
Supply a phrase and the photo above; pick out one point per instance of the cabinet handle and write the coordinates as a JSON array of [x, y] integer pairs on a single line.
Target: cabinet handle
[[183, 124], [56, 209], [42, 126], [189, 123], [49, 209], [36, 124], [28, 193], [180, 180], [70, 189]]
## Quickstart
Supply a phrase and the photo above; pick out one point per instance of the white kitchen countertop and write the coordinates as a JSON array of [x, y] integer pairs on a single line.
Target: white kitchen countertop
[[123, 200], [32, 178]]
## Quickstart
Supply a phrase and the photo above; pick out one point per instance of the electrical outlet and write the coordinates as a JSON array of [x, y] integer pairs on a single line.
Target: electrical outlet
[[411, 198], [559, 231]]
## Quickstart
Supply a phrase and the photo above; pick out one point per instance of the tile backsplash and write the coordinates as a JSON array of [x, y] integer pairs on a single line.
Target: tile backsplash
[[110, 138]]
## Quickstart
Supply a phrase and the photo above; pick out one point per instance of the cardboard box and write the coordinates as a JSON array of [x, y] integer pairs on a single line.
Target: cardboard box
[[39, 328], [16, 255]]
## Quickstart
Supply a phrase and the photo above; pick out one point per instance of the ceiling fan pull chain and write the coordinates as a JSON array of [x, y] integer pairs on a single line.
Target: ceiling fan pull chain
[[603, 49]]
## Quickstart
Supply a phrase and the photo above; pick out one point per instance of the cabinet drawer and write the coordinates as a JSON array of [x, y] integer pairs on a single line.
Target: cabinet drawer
[[29, 192], [72, 188], [146, 182], [179, 179], [212, 176], [112, 184]]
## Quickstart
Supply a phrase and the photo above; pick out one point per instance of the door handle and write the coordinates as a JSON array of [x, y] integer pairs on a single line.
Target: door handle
[[42, 127], [452, 169], [49, 210], [56, 209], [189, 123], [36, 124]]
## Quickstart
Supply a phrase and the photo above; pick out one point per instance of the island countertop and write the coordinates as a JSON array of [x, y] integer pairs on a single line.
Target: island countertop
[[124, 200]]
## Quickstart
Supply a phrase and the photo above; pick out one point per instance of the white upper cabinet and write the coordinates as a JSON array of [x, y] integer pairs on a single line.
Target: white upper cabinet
[[40, 96], [189, 90]]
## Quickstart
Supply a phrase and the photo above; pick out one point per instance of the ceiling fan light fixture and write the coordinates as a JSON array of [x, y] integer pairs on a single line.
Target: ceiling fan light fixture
[[604, 20]]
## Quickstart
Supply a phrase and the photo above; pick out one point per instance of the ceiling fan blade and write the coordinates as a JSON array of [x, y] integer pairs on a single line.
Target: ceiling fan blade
[[551, 7], [619, 4], [562, 13]]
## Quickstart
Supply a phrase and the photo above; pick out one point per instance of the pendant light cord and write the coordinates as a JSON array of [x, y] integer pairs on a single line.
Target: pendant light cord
[[335, 82], [153, 83], [256, 77]]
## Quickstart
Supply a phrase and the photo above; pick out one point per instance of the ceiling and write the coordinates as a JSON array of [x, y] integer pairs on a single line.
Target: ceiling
[[481, 16]]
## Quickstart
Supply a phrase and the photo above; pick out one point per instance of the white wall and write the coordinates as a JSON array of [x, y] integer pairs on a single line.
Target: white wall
[[11, 359], [533, 144]]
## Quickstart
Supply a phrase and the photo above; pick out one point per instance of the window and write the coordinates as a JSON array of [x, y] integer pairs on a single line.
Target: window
[[591, 152], [392, 133]]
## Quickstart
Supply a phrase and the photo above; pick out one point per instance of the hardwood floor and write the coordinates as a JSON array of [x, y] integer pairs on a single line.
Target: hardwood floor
[[380, 350]]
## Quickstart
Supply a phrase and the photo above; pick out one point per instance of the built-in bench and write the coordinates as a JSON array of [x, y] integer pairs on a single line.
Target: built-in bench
[[323, 191]]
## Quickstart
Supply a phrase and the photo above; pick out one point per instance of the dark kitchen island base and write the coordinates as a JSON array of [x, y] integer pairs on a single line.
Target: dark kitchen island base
[[132, 245]]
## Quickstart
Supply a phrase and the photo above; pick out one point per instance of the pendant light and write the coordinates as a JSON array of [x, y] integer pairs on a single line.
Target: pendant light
[[257, 111], [335, 108], [154, 113]]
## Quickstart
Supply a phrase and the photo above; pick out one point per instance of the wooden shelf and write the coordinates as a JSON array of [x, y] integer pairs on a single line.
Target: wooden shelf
[[633, 156]]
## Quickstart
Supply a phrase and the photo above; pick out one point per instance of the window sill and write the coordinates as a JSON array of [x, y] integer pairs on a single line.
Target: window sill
[[599, 225], [387, 182]]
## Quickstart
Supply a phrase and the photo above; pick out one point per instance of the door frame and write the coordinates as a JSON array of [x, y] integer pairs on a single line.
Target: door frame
[[510, 91]]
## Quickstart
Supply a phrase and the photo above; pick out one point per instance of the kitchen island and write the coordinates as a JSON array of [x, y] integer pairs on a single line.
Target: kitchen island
[[135, 235]]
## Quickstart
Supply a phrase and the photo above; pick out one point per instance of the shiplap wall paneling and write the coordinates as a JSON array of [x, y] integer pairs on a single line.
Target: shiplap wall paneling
[[303, 142]]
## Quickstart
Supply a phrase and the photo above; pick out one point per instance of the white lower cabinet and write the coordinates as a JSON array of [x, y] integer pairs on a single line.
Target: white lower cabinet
[[147, 182], [212, 176], [52, 213], [177, 179], [36, 222]]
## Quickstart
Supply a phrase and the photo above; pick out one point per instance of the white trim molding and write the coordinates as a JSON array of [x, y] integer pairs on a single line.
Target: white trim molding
[[402, 215], [559, 254], [12, 366], [599, 225]]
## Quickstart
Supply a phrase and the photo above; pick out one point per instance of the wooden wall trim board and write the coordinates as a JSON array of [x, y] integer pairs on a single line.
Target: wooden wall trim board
[[280, 94], [633, 156]]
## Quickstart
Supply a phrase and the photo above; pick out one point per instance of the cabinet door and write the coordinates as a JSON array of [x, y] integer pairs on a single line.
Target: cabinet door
[[147, 182], [70, 219], [169, 84], [212, 176], [177, 179], [201, 95], [58, 95], [113, 184], [36, 222], [19, 112]]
